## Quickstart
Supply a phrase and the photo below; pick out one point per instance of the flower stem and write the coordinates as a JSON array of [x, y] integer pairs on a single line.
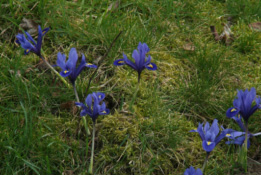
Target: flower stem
[[139, 76], [205, 162], [93, 139], [83, 118], [245, 146], [134, 96], [51, 67], [76, 93]]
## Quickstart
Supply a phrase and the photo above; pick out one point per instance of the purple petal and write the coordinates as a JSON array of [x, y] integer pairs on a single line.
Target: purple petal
[[198, 172], [257, 134], [39, 40], [237, 103], [100, 96], [27, 51], [30, 38], [239, 122], [88, 101], [151, 66], [148, 59], [129, 63], [200, 131], [65, 73], [208, 146], [45, 31], [193, 130], [104, 112], [237, 134], [136, 57], [231, 112], [25, 44], [206, 127], [90, 65], [119, 62], [214, 127], [61, 61], [249, 98], [72, 60]]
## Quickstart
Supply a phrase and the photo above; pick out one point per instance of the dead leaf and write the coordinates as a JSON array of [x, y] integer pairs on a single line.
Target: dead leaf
[[18, 73], [255, 26], [56, 94], [113, 6], [92, 16], [189, 47], [69, 106], [22, 123], [41, 65], [226, 36], [29, 25], [68, 172]]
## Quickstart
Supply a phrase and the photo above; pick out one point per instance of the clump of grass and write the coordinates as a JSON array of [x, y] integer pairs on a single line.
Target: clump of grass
[[247, 41], [243, 9]]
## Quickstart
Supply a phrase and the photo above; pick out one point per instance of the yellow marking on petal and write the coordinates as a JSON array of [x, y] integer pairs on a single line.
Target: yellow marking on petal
[[228, 135], [232, 110], [104, 112], [120, 62], [99, 96], [27, 50], [89, 64], [65, 71], [208, 143], [150, 65], [43, 32]]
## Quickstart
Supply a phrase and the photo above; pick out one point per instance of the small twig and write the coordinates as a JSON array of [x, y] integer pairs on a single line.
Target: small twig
[[101, 60], [226, 36], [214, 32]]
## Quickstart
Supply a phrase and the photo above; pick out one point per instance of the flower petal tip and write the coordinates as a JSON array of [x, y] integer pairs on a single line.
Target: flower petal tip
[[119, 62], [231, 112], [151, 66], [90, 65]]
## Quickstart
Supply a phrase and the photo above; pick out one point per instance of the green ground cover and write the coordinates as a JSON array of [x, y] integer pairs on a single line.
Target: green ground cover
[[38, 120]]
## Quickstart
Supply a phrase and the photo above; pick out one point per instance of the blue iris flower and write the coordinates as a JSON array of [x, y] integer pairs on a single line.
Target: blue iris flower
[[29, 43], [95, 106], [243, 104], [209, 135], [192, 171], [238, 137], [69, 67], [141, 61]]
